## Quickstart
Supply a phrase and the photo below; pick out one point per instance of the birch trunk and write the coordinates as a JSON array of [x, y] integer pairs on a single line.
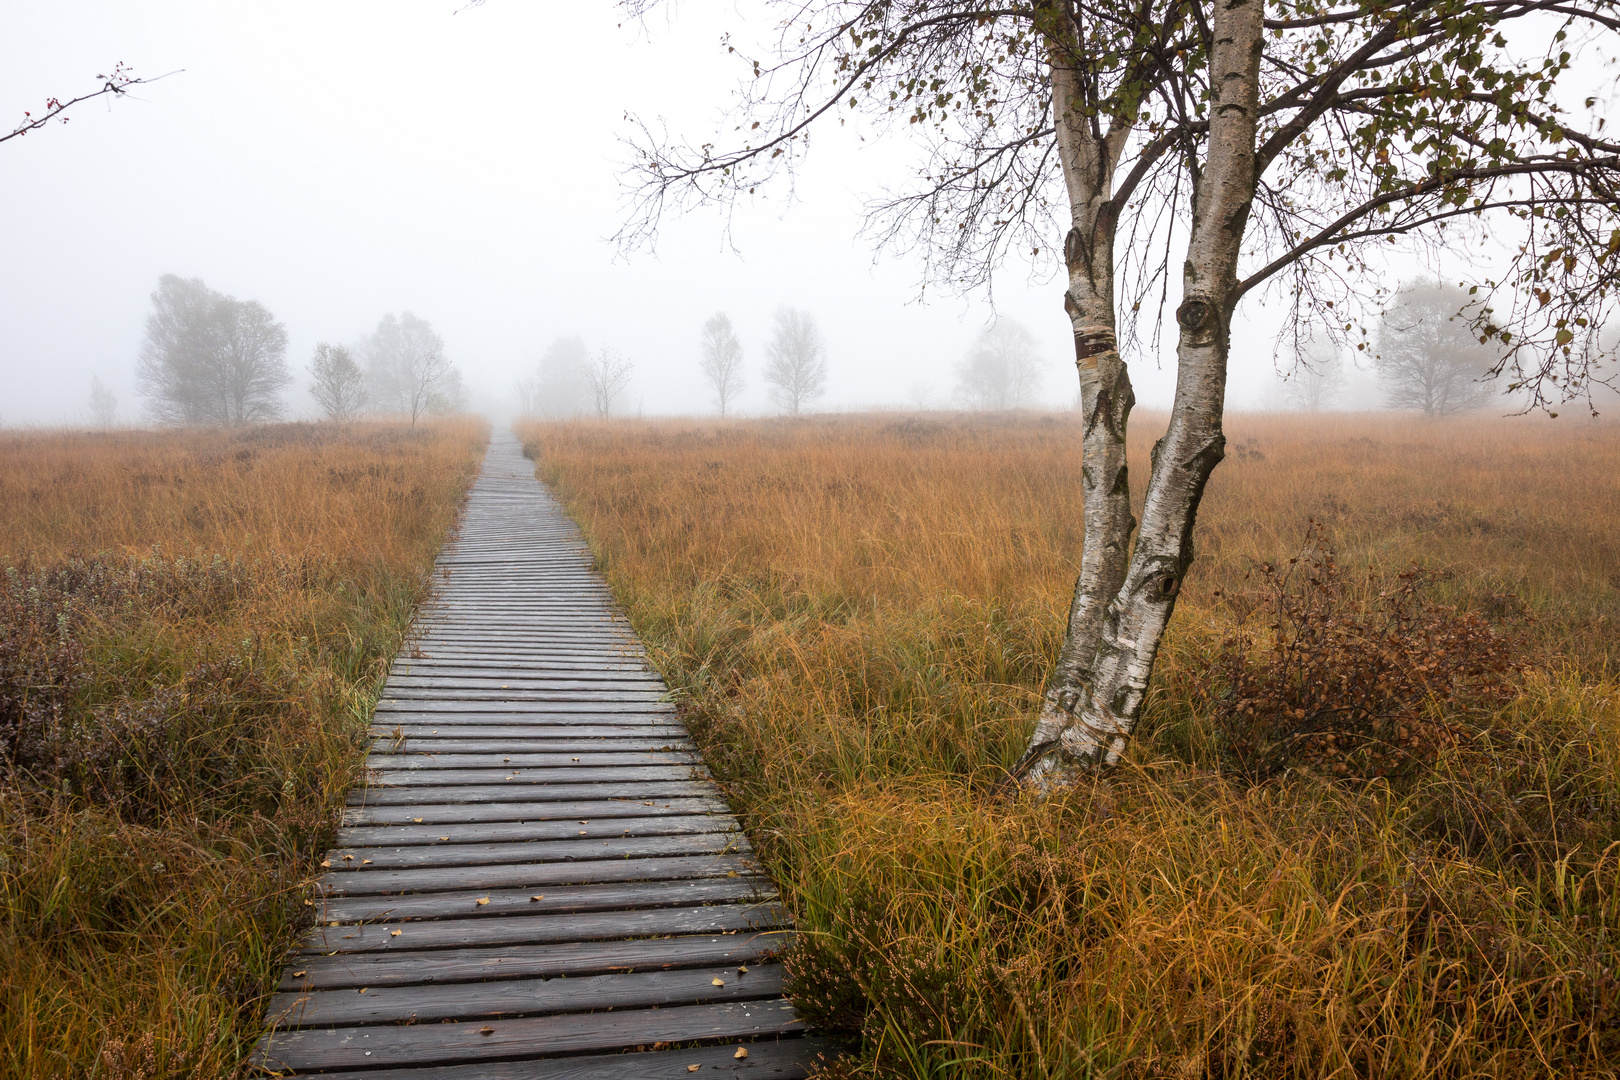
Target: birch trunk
[[1121, 608]]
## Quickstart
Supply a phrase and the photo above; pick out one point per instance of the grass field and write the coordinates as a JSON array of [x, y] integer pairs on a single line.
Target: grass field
[[193, 626], [858, 612]]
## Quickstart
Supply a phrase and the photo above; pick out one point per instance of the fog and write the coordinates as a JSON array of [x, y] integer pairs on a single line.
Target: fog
[[337, 162]]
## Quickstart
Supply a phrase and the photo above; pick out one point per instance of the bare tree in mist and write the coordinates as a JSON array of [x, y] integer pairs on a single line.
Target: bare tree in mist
[[1136, 140], [1003, 369], [339, 386], [795, 361], [607, 377], [722, 359], [208, 358], [406, 367], [564, 388], [526, 393], [103, 404], [1428, 356], [1317, 380]]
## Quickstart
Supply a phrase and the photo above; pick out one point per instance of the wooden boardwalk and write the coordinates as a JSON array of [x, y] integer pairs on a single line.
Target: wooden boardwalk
[[539, 879]]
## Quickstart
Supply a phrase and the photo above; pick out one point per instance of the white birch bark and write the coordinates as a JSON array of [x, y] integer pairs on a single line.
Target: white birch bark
[[1093, 701]]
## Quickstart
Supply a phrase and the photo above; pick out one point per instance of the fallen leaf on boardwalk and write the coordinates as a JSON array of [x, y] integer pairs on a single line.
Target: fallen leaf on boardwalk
[[731, 873], [416, 819], [582, 832], [693, 1068], [576, 759], [363, 989], [537, 896], [395, 933], [326, 862], [742, 1052], [298, 974], [348, 858], [742, 971], [364, 862], [482, 900], [718, 982], [335, 924], [444, 838], [486, 1031]]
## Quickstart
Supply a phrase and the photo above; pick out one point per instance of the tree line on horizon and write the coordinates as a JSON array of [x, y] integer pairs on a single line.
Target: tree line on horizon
[[211, 360]]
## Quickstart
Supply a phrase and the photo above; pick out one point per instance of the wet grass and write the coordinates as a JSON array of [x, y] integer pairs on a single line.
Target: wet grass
[[193, 628], [858, 613]]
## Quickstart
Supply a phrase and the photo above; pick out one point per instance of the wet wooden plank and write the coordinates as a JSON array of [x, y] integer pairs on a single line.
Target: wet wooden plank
[[518, 759], [375, 859], [447, 967], [539, 929], [489, 793], [523, 997], [545, 900], [534, 875], [570, 809], [503, 832], [783, 1059], [435, 1044]]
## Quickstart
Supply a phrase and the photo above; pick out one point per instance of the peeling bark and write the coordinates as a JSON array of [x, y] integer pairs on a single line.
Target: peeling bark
[[1121, 608]]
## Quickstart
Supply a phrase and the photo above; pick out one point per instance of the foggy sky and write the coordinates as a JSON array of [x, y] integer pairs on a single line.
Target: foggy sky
[[340, 160]]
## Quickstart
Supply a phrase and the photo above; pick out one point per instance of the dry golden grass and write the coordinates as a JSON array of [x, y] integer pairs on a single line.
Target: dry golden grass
[[214, 611], [859, 613]]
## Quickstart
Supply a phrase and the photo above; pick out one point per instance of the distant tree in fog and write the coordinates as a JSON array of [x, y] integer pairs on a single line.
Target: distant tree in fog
[[1003, 369], [1317, 379], [607, 377], [722, 359], [526, 392], [1428, 356], [564, 389], [406, 368], [209, 358], [340, 386], [103, 405], [795, 361]]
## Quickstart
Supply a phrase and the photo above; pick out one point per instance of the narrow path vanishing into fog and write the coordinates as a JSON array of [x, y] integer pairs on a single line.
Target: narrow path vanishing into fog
[[539, 876]]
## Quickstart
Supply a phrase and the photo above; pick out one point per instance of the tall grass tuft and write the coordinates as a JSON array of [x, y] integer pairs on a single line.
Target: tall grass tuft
[[858, 613], [193, 627]]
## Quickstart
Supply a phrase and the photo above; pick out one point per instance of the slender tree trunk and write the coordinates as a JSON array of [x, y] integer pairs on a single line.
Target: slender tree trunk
[[1095, 697]]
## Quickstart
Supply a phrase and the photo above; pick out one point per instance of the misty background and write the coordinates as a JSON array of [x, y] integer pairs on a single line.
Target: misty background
[[338, 162]]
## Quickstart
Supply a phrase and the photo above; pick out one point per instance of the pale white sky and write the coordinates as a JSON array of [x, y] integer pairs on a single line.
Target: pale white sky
[[343, 159]]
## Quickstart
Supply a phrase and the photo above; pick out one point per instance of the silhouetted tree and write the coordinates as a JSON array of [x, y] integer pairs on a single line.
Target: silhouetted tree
[[1317, 378], [1003, 369], [526, 393], [1429, 356], [209, 358], [607, 376], [406, 368], [103, 405], [795, 361], [564, 389], [339, 386], [722, 359]]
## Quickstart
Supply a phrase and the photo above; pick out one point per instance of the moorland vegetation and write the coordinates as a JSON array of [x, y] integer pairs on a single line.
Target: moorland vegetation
[[1369, 829], [193, 628]]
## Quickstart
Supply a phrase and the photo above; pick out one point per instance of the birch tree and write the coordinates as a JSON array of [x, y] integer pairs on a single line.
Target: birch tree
[[607, 376], [795, 361], [722, 358], [1251, 151], [338, 386]]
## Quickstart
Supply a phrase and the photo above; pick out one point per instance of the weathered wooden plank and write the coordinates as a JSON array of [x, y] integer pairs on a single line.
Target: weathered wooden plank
[[518, 778], [389, 710], [504, 832], [535, 876], [432, 1044], [539, 929], [572, 809], [447, 967], [628, 847], [523, 997], [610, 686], [549, 900], [781, 1059], [511, 762], [497, 727], [436, 745], [489, 793]]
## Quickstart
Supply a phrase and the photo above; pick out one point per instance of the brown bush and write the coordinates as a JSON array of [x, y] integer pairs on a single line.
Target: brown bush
[[1354, 690]]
